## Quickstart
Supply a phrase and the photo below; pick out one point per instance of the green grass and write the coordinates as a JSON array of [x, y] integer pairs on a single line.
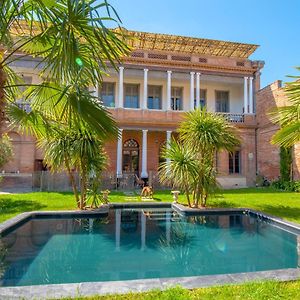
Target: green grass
[[283, 204], [249, 291]]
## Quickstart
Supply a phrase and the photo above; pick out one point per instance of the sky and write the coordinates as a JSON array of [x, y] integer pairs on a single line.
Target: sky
[[272, 24]]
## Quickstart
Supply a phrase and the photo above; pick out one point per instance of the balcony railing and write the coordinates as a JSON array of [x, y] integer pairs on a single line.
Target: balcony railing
[[234, 118]]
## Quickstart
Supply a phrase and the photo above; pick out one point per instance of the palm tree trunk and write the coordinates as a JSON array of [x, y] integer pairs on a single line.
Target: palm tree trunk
[[73, 182], [2, 98], [83, 184], [187, 194]]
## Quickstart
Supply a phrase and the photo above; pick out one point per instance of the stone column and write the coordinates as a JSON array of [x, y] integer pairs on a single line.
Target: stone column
[[118, 228], [169, 135], [169, 84], [121, 87], [245, 95], [144, 173], [145, 89], [192, 90], [251, 95], [198, 89], [119, 154]]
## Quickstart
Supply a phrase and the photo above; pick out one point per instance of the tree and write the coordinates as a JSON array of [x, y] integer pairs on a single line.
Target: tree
[[288, 117], [180, 167], [6, 151], [73, 45], [201, 135], [75, 149], [74, 48]]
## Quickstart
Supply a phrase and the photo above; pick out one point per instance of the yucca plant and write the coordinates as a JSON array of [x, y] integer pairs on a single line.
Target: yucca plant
[[191, 166], [181, 168], [288, 117]]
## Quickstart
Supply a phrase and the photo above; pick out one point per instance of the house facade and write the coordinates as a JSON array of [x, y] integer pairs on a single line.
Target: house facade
[[148, 95]]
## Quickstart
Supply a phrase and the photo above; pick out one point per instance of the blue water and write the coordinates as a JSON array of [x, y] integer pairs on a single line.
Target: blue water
[[136, 244]]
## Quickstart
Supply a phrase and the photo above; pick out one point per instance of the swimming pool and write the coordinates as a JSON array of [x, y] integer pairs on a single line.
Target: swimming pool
[[128, 243]]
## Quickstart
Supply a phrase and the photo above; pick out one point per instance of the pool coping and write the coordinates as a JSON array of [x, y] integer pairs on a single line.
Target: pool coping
[[141, 285]]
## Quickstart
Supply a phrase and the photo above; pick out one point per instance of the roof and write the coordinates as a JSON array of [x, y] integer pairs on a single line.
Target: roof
[[181, 44]]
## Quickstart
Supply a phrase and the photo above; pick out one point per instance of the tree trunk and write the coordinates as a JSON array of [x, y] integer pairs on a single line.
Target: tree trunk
[[73, 182], [83, 184], [187, 194], [2, 98]]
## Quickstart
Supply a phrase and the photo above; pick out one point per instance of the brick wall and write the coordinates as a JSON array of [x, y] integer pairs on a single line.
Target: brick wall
[[268, 98]]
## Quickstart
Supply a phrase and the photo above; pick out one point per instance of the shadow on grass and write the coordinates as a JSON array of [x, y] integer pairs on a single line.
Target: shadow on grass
[[7, 206], [281, 211]]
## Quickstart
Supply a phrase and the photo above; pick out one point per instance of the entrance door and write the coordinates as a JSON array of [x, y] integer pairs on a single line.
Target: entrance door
[[131, 156]]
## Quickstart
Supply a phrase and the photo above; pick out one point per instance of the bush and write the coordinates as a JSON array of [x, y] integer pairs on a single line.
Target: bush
[[288, 186], [6, 151]]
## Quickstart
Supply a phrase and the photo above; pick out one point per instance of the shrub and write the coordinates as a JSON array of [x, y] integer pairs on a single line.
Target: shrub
[[288, 186]]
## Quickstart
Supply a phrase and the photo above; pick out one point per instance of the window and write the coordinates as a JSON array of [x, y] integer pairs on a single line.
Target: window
[[176, 98], [131, 96], [154, 96], [222, 101], [234, 162], [202, 98], [107, 94]]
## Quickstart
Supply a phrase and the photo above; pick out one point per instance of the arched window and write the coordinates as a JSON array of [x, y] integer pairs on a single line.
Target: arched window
[[131, 156]]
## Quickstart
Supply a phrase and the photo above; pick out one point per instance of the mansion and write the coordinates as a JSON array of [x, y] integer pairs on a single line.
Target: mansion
[[164, 77]]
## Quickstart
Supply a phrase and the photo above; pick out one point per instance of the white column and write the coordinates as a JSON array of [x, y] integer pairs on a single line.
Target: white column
[[169, 135], [145, 89], [118, 228], [251, 95], [143, 231], [95, 91], [245, 95], [144, 173], [169, 84], [121, 87], [119, 154], [192, 90], [198, 90]]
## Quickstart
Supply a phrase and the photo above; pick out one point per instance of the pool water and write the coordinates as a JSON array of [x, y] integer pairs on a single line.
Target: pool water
[[141, 243]]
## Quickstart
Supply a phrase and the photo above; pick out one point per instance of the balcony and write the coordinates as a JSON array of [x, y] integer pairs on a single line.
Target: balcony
[[168, 119]]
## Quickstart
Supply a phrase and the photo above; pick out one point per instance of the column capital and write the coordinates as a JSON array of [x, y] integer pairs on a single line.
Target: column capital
[[169, 131], [192, 73], [146, 70], [198, 73], [169, 72], [245, 77], [250, 78], [121, 68], [145, 130]]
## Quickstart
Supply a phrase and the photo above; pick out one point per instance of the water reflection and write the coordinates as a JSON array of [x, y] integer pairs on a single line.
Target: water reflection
[[132, 243]]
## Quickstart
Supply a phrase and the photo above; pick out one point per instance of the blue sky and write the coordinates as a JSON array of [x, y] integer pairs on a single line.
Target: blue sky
[[272, 24]]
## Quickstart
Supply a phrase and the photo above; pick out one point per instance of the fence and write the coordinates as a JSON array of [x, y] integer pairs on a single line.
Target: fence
[[59, 182]]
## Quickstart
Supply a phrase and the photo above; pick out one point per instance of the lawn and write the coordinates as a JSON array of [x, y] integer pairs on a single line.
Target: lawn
[[283, 204], [249, 291]]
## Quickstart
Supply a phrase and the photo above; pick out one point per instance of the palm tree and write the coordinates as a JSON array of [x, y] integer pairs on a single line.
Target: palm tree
[[79, 148], [179, 168], [206, 133], [73, 46], [288, 117], [201, 135]]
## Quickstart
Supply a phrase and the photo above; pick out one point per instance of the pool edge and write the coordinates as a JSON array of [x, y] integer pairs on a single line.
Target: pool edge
[[55, 291]]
